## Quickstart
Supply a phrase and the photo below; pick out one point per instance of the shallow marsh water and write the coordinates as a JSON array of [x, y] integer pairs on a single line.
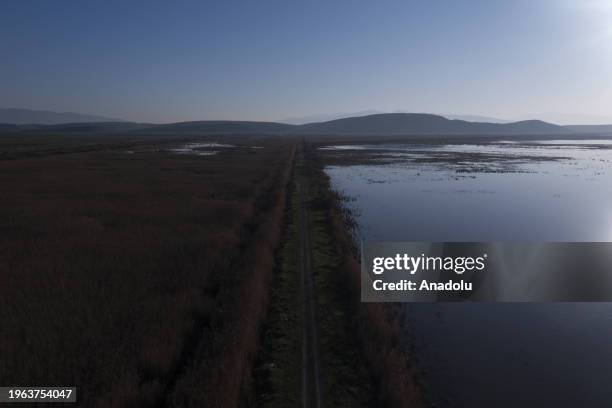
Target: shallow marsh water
[[494, 355]]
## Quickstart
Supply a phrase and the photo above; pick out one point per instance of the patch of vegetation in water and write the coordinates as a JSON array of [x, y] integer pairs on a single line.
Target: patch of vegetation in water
[[461, 161]]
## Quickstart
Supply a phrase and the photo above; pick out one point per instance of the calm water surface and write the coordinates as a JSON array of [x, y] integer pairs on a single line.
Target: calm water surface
[[496, 355]]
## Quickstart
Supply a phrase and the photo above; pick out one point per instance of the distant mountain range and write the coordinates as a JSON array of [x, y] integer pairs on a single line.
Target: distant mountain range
[[383, 124], [425, 124], [42, 117]]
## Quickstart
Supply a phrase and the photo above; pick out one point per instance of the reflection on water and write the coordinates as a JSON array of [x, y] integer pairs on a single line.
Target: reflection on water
[[483, 193], [496, 355]]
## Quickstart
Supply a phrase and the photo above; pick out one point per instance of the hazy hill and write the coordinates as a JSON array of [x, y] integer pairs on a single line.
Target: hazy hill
[[426, 124], [84, 128], [591, 129], [324, 117], [525, 127], [93, 127], [220, 126], [8, 127], [477, 118], [28, 116]]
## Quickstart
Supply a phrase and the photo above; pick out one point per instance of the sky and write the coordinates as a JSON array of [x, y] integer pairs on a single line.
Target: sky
[[167, 61]]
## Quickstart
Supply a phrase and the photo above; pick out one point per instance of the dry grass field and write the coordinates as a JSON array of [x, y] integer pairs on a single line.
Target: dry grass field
[[121, 263]]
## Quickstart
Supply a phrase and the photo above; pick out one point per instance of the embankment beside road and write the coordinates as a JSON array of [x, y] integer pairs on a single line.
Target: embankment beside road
[[375, 324]]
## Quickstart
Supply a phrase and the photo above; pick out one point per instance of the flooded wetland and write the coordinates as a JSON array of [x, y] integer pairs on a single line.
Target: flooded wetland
[[540, 190]]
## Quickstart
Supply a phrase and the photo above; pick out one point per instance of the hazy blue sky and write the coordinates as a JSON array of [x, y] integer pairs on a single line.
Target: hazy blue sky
[[180, 60]]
